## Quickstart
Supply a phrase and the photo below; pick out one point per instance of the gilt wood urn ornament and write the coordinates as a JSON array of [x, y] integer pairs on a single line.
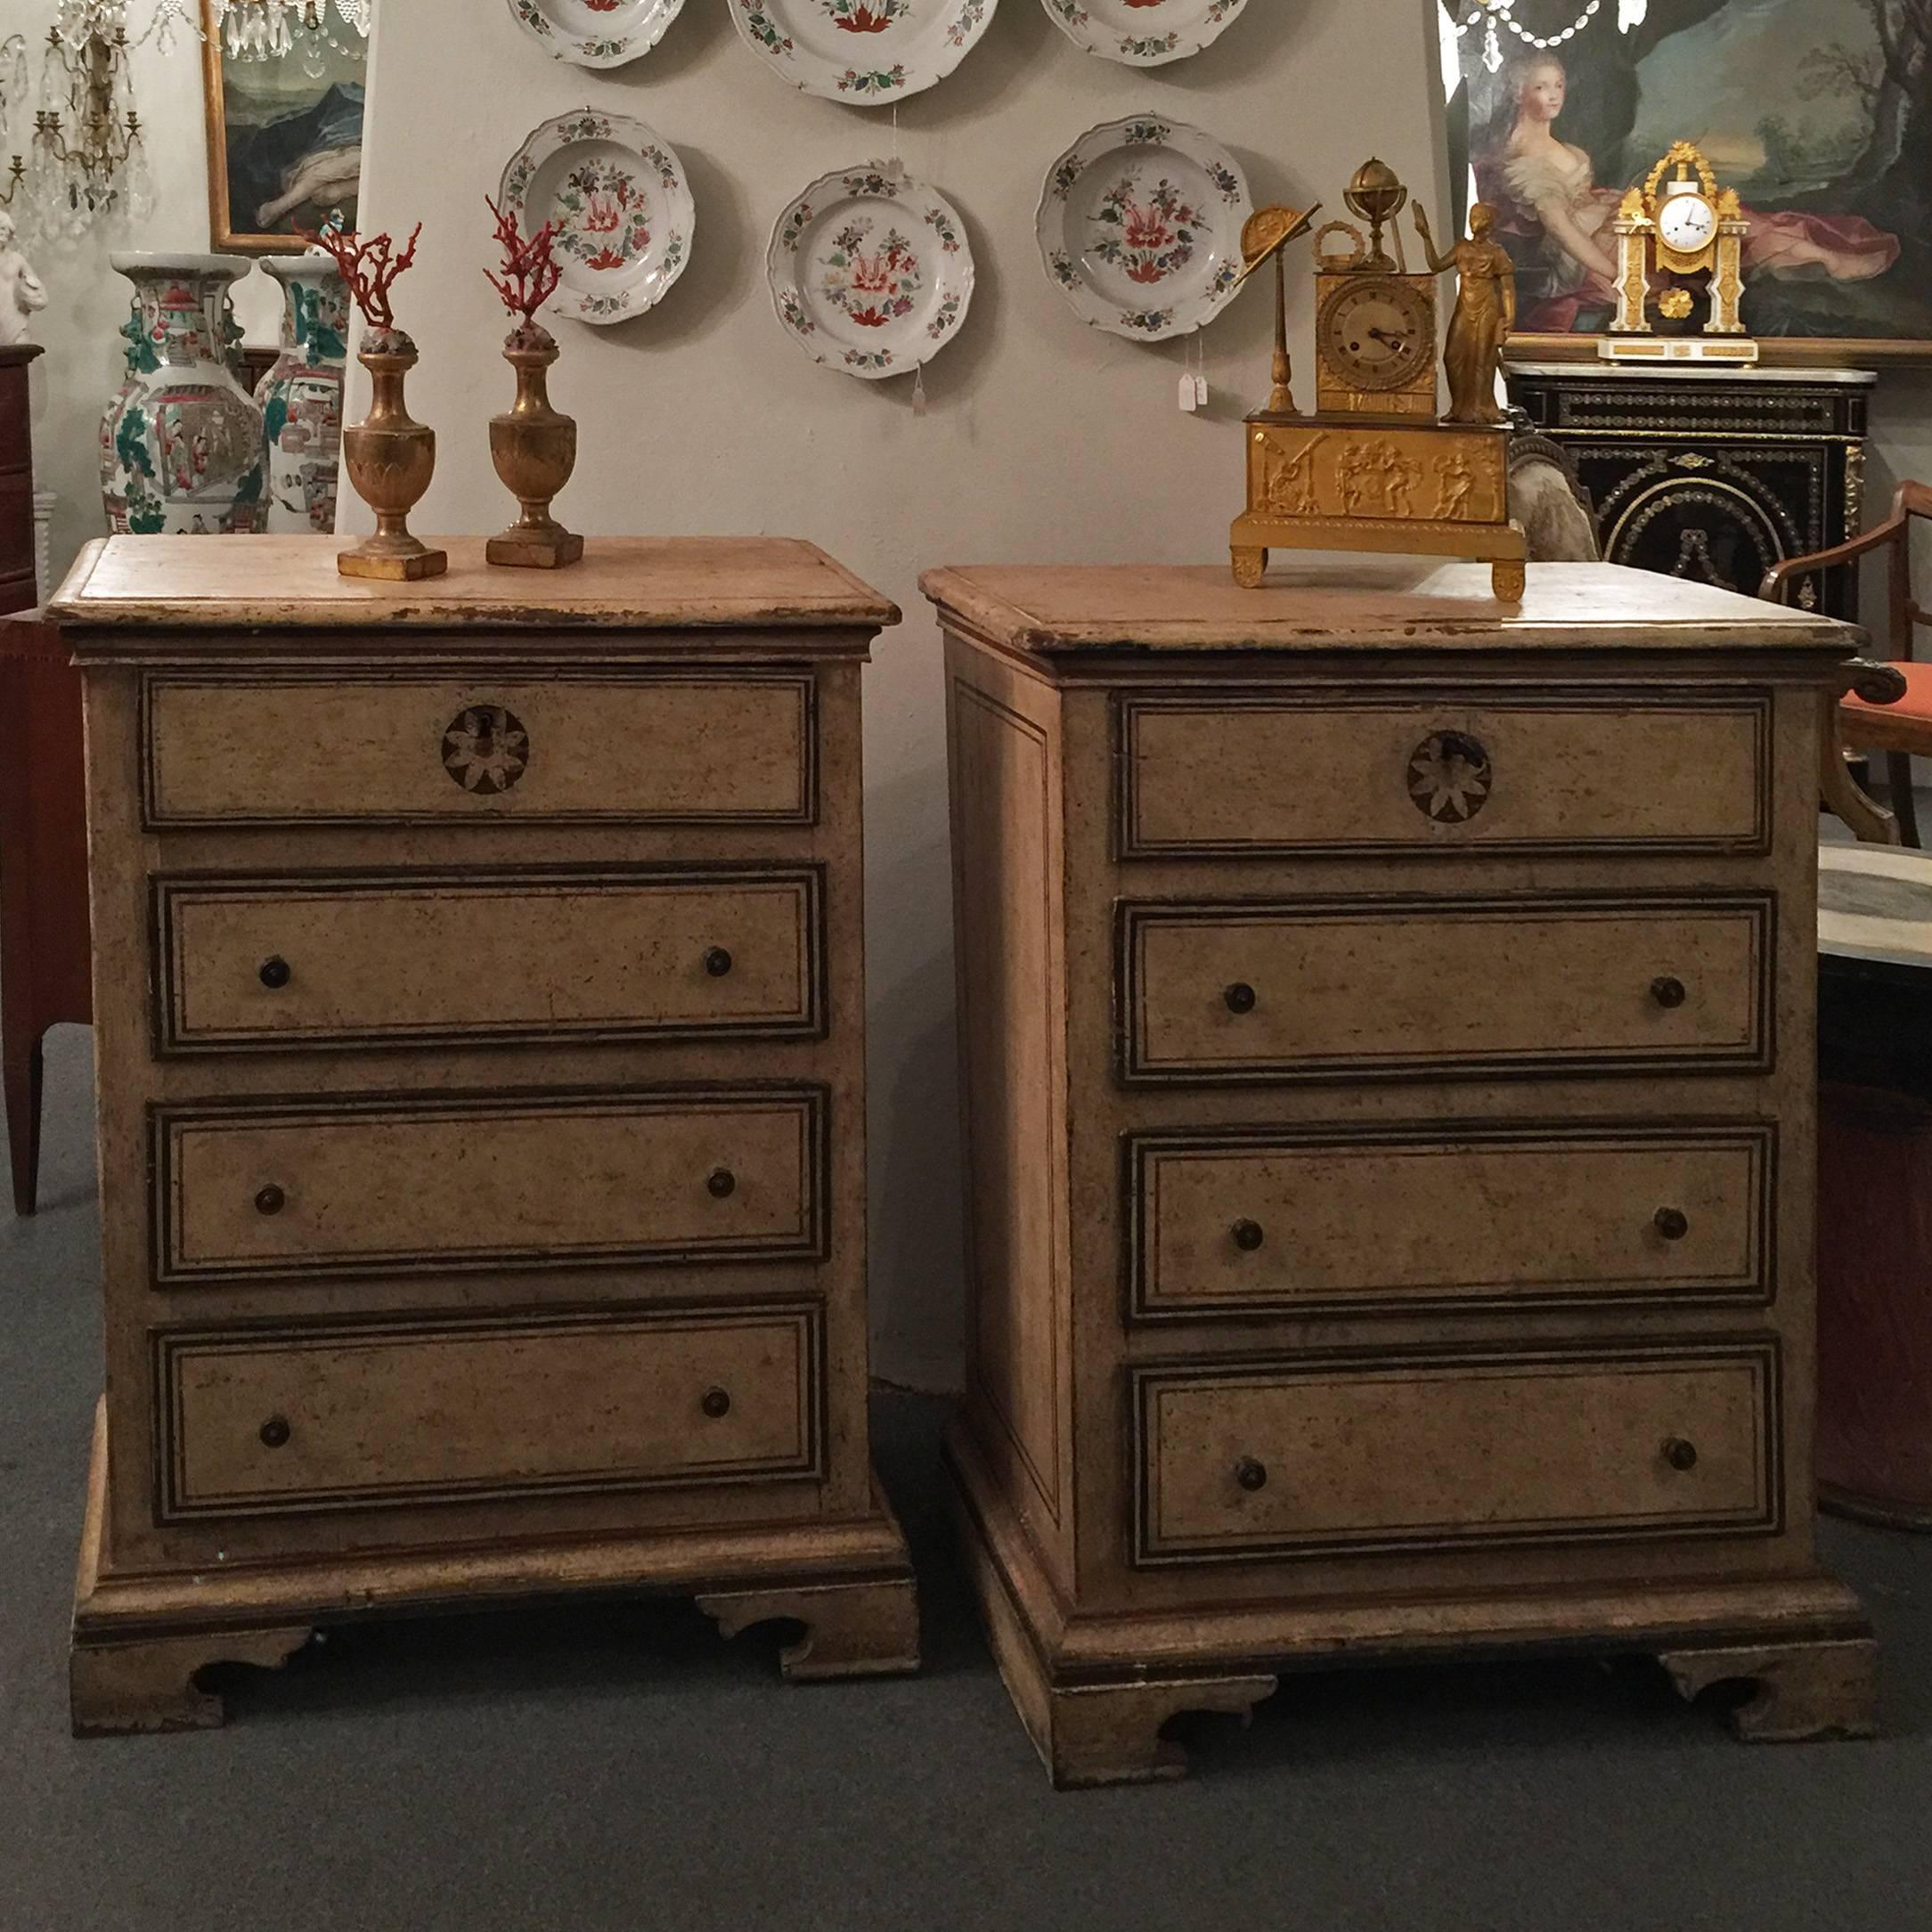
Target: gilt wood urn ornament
[[391, 456], [534, 446]]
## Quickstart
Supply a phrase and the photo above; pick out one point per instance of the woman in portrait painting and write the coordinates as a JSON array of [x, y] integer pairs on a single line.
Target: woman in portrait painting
[[1558, 220]]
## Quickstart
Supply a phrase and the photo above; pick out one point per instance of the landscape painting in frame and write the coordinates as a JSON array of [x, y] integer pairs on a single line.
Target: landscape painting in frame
[[284, 140], [1818, 112]]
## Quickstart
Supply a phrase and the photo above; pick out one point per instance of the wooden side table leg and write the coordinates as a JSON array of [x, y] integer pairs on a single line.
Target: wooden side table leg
[[1825, 1688], [23, 1073], [151, 1683], [852, 1629]]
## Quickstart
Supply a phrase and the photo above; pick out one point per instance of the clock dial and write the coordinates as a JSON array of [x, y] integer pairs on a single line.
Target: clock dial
[[1687, 223], [1377, 334]]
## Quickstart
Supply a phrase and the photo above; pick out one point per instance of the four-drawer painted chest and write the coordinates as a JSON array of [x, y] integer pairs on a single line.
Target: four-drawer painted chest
[[1387, 1032], [479, 1001]]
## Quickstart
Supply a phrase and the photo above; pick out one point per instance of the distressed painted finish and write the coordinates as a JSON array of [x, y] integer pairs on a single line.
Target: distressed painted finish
[[481, 1102], [1391, 1229]]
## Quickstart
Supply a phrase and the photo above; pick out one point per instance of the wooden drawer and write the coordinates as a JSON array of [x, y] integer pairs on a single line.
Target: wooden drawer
[[1267, 772], [1339, 1220], [647, 746], [366, 1184], [378, 958], [350, 1416], [1433, 1450], [1530, 984]]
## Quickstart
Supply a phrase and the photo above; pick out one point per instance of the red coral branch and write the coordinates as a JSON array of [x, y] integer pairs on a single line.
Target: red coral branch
[[530, 274], [370, 268]]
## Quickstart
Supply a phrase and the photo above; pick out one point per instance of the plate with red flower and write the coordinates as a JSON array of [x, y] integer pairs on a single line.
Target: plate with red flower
[[1139, 226], [1143, 33], [865, 53], [596, 33], [870, 270], [615, 192]]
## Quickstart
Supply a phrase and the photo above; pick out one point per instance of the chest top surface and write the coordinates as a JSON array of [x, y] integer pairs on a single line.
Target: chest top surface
[[1060, 612], [122, 586]]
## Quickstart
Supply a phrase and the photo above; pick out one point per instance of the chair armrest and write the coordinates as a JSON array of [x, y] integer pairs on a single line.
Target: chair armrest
[[1891, 531]]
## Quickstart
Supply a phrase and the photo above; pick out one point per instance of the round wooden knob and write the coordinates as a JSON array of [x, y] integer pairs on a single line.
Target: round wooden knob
[[275, 1431], [1240, 996], [275, 972], [717, 962], [722, 1181], [716, 1403], [1667, 990], [269, 1199], [1679, 1453], [1671, 1223], [1251, 1474], [1247, 1236]]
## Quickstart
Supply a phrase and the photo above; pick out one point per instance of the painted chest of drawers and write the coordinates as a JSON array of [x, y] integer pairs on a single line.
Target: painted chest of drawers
[[1387, 1032], [479, 1009]]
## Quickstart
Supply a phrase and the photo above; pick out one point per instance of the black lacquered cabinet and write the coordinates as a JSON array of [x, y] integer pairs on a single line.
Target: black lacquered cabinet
[[1712, 474]]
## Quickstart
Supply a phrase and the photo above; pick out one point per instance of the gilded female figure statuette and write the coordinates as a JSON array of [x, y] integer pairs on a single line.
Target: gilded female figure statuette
[[1485, 314]]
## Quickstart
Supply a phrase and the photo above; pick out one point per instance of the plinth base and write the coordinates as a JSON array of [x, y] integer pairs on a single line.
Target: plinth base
[[535, 549], [1095, 1688], [392, 566], [141, 1641]]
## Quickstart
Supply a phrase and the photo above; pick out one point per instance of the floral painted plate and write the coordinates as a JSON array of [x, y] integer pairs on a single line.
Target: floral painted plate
[[1143, 33], [1139, 226], [870, 272], [864, 52], [624, 214], [596, 33]]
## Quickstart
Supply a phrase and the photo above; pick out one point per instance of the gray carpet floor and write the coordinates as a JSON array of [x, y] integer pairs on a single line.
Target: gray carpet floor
[[620, 1767]]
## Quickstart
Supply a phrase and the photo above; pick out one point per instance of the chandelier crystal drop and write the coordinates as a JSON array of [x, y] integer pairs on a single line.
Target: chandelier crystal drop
[[1491, 14]]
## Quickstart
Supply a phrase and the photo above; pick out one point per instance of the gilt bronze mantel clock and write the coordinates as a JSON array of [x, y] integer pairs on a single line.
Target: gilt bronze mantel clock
[[1373, 468], [1683, 226]]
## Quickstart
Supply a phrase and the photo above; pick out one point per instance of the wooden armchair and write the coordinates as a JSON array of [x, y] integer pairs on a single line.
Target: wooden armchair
[[1869, 718]]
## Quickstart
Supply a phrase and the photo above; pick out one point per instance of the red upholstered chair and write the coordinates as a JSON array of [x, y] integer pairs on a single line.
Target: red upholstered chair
[[1901, 727], [44, 928]]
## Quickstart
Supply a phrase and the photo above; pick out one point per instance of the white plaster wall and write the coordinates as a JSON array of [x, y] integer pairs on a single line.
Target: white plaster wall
[[87, 301], [1043, 439]]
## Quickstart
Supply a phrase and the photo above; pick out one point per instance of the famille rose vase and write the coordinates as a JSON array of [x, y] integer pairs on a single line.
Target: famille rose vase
[[301, 396], [180, 443]]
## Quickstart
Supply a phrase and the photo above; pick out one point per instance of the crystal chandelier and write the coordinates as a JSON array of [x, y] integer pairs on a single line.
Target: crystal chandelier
[[1490, 14], [272, 29]]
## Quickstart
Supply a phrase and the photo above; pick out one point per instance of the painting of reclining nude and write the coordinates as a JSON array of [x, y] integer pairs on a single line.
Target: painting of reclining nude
[[1817, 112], [285, 144]]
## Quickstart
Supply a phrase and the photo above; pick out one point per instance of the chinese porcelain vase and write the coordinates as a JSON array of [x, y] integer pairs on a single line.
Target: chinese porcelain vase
[[534, 449], [180, 443], [301, 396], [391, 458]]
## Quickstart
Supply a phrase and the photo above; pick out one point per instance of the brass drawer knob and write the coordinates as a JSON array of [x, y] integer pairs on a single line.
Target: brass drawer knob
[[722, 1182], [1251, 1474], [1240, 996], [1667, 991], [1671, 1223], [275, 974], [1247, 1236], [269, 1199], [1679, 1453], [275, 1431], [717, 962], [716, 1403]]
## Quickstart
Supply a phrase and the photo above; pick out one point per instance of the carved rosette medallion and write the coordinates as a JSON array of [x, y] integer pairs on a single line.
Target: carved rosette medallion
[[1449, 778], [485, 749]]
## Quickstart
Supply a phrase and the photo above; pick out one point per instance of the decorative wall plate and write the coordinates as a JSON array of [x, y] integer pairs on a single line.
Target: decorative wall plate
[[596, 33], [624, 214], [1139, 226], [867, 52], [1143, 33], [870, 272]]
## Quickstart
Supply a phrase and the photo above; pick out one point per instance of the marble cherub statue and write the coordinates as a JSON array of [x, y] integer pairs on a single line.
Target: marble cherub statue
[[21, 290]]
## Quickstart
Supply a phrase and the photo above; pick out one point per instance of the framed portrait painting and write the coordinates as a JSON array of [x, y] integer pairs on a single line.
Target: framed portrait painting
[[284, 140], [1818, 112]]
